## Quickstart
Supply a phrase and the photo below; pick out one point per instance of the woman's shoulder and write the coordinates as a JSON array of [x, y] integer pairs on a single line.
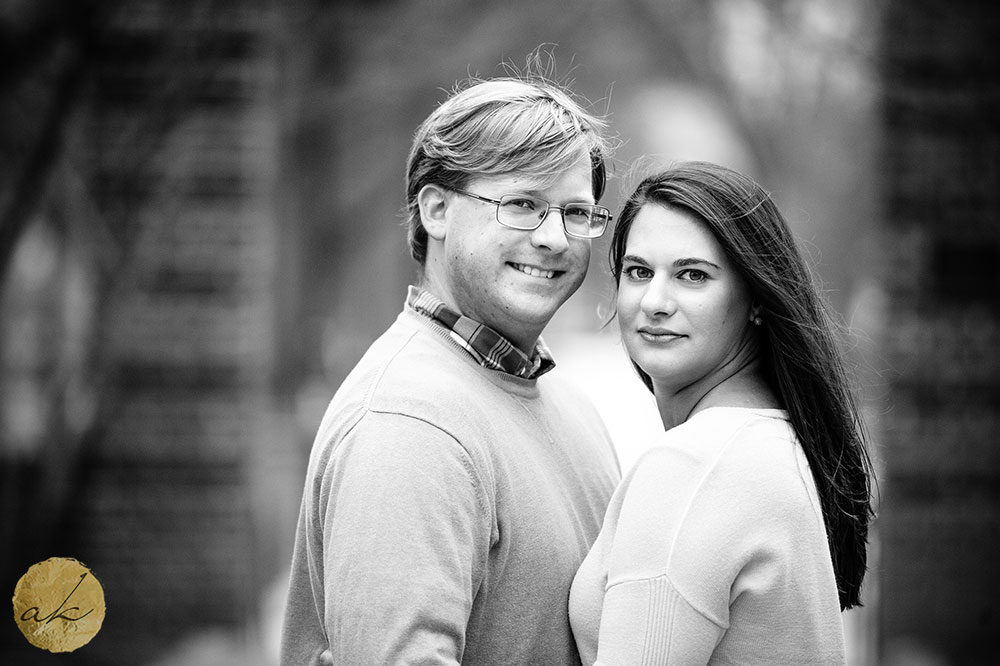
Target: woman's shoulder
[[680, 457], [740, 452], [724, 430], [762, 468], [703, 497]]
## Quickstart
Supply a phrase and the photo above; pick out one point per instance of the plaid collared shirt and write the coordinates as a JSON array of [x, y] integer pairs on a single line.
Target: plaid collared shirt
[[488, 347]]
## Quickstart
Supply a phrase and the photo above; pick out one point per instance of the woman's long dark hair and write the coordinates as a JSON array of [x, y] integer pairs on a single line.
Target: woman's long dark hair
[[798, 353]]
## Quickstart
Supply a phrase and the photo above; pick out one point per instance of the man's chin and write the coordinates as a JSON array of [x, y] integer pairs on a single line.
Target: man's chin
[[536, 312]]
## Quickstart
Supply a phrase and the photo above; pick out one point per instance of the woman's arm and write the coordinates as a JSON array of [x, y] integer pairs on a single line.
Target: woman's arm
[[649, 622]]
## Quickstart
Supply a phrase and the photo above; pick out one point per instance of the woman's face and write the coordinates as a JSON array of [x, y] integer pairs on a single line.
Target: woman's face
[[683, 310]]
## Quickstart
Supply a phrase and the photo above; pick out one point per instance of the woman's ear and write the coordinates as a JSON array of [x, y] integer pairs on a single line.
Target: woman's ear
[[433, 201]]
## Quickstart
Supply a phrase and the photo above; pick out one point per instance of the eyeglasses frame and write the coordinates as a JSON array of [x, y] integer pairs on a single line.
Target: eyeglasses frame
[[541, 218]]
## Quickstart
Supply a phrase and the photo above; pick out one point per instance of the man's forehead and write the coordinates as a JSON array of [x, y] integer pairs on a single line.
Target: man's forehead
[[522, 182], [525, 181]]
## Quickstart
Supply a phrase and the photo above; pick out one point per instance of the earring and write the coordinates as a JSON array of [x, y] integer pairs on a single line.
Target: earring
[[757, 321]]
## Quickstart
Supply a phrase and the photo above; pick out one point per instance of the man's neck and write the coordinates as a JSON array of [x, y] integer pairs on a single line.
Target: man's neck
[[524, 341]]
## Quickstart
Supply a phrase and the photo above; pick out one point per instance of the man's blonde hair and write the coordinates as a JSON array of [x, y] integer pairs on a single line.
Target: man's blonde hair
[[529, 126]]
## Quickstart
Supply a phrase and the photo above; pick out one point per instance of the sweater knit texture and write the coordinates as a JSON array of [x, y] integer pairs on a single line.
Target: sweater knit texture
[[447, 508], [713, 551]]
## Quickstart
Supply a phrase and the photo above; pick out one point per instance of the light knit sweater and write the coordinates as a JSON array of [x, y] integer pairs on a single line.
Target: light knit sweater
[[713, 551], [446, 510]]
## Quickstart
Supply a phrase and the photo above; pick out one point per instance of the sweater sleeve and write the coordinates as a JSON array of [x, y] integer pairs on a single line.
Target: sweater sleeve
[[648, 622], [407, 529], [668, 586]]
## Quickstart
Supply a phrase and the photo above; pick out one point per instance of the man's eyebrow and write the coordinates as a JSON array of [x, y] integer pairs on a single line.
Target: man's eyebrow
[[538, 194]]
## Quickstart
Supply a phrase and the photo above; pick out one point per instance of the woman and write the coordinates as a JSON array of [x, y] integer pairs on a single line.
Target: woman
[[741, 535]]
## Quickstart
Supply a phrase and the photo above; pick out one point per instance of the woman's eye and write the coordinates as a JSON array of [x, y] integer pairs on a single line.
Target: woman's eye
[[638, 273], [693, 275]]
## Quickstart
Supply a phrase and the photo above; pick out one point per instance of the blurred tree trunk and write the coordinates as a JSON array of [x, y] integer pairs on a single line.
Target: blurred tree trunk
[[941, 507], [46, 48]]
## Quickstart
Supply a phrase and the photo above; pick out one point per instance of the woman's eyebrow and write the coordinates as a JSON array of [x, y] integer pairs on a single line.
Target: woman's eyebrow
[[690, 261]]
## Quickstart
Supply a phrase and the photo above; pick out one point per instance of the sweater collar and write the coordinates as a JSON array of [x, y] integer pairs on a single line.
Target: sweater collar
[[489, 348]]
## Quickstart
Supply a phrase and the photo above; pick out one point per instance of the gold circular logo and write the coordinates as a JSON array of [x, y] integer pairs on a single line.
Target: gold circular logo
[[59, 605]]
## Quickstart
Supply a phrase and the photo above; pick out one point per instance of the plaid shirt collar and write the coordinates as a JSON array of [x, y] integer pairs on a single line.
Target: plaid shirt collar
[[488, 347]]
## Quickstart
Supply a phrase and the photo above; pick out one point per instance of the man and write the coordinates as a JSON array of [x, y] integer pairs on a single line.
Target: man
[[455, 485]]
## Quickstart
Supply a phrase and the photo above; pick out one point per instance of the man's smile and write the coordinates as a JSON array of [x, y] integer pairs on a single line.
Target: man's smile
[[535, 271]]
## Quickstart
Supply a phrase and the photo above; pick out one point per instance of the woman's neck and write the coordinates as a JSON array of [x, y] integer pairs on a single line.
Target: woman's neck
[[743, 387]]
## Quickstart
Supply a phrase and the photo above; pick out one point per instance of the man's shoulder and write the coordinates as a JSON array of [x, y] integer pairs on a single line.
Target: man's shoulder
[[556, 382], [411, 369], [410, 358], [401, 375]]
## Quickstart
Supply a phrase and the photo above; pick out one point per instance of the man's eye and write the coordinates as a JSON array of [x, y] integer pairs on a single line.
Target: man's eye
[[523, 204]]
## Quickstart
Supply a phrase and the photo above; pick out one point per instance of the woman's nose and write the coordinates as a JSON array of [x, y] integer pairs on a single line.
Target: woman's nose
[[658, 299]]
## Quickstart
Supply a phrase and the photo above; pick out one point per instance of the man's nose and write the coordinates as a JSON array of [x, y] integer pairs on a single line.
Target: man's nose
[[551, 233]]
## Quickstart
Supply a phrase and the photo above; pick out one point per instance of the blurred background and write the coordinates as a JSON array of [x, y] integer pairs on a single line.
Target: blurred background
[[200, 234]]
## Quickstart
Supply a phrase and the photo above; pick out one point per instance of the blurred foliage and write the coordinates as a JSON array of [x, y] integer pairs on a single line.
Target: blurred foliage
[[782, 89]]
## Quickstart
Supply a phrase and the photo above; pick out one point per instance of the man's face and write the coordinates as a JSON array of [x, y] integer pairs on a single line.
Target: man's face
[[508, 279]]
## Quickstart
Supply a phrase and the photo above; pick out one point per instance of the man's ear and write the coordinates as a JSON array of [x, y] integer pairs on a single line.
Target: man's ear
[[434, 201]]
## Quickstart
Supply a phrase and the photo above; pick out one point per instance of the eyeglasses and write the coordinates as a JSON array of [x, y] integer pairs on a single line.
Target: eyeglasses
[[519, 211]]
